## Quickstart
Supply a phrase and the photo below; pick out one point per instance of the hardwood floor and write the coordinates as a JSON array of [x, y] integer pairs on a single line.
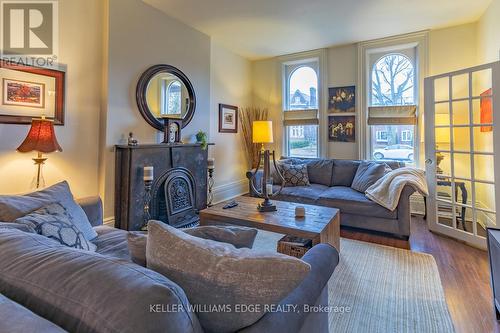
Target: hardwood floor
[[464, 272]]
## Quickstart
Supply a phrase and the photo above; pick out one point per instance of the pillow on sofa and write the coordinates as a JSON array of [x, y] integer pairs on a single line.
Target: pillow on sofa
[[16, 206], [320, 171], [18, 226], [367, 174], [344, 172], [214, 274], [238, 236], [295, 175], [54, 222]]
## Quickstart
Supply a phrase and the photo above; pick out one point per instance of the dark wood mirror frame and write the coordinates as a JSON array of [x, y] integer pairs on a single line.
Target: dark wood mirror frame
[[59, 77], [142, 86]]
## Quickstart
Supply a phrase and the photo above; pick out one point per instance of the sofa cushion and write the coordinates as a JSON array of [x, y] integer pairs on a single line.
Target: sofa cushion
[[18, 226], [238, 236], [15, 318], [83, 291], [217, 275], [320, 171], [367, 174], [16, 206], [344, 172], [351, 201], [301, 194], [295, 175], [54, 222], [112, 242]]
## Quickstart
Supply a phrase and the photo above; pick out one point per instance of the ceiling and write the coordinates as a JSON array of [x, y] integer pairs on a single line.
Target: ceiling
[[265, 28]]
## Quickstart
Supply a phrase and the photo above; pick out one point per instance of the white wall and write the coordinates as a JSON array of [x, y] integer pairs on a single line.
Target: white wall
[[488, 46], [80, 45], [230, 84], [139, 37]]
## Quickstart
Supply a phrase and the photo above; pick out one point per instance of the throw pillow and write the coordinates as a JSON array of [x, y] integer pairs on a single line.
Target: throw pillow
[[367, 174], [320, 171], [239, 237], [53, 221], [295, 175], [217, 275], [16, 206], [344, 172]]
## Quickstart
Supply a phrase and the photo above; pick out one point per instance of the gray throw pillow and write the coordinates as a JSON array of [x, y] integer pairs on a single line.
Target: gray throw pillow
[[16, 206], [367, 174], [344, 172], [295, 175], [238, 236], [54, 222], [217, 275]]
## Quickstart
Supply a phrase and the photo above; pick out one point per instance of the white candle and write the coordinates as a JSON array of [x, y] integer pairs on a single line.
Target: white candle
[[148, 173], [269, 188], [211, 163]]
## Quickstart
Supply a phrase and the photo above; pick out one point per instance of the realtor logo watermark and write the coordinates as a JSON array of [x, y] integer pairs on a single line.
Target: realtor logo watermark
[[29, 31]]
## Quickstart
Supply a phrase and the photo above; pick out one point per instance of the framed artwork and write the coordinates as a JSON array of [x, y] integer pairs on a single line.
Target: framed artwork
[[486, 110], [342, 128], [342, 99], [31, 92], [228, 118], [23, 93]]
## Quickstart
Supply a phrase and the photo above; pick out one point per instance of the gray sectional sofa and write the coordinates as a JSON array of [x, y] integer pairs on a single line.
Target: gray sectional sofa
[[48, 287], [330, 186]]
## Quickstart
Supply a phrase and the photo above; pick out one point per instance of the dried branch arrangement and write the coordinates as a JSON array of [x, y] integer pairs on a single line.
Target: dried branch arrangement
[[247, 117]]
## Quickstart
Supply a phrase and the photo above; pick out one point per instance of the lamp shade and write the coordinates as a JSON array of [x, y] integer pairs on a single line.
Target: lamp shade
[[262, 132], [40, 138]]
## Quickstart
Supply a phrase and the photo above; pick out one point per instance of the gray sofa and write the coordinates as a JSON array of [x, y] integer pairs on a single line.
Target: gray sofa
[[47, 287], [331, 181]]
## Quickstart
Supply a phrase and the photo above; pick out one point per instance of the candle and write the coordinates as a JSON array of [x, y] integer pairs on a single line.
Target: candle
[[148, 173], [269, 188], [211, 163]]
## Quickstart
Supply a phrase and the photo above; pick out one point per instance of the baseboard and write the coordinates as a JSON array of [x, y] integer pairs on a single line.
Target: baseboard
[[230, 190]]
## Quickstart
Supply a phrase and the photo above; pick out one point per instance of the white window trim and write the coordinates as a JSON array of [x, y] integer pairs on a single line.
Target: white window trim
[[315, 55], [406, 133], [380, 139], [420, 40]]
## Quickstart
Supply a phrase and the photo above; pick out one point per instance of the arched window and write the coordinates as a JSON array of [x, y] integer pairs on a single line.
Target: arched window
[[393, 81], [174, 98], [303, 89]]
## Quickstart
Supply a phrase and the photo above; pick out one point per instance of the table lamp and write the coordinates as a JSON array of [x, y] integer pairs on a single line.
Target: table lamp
[[262, 132], [42, 139]]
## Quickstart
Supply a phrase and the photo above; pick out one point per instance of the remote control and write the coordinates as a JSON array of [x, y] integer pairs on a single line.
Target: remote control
[[230, 204]]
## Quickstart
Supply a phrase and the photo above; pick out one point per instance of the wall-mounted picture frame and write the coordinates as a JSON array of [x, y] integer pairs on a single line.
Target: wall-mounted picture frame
[[228, 118], [29, 92], [342, 128], [342, 99]]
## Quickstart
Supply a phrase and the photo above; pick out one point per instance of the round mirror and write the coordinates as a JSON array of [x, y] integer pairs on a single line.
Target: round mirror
[[163, 91]]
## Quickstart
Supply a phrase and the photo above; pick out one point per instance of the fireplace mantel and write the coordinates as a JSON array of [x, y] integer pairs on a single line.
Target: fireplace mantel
[[129, 184]]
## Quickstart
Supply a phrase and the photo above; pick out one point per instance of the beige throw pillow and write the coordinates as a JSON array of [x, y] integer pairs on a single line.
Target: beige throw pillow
[[219, 280]]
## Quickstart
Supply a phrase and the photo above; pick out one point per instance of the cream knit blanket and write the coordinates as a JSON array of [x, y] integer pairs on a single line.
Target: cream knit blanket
[[387, 190]]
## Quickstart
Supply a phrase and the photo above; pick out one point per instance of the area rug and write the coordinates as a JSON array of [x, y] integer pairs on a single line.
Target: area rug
[[382, 289]]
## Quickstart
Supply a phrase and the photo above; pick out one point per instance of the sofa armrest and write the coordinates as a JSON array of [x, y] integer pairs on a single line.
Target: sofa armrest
[[404, 210], [323, 259], [92, 206], [257, 183]]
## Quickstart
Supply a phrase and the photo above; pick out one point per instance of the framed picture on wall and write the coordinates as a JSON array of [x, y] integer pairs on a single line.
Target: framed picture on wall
[[342, 99], [30, 92], [228, 118], [342, 128]]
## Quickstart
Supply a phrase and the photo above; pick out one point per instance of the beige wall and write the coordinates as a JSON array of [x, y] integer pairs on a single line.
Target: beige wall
[[80, 45], [230, 84], [488, 46], [139, 37]]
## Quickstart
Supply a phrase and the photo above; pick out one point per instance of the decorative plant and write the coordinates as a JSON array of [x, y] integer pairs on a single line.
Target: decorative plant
[[247, 117], [201, 137]]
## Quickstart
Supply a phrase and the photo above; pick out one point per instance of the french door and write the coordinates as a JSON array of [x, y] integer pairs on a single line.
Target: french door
[[462, 144]]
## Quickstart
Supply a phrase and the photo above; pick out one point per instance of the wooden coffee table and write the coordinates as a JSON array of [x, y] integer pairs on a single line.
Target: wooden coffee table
[[321, 224]]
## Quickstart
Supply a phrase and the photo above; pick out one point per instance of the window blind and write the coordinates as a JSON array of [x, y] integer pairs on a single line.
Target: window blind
[[392, 115], [300, 117]]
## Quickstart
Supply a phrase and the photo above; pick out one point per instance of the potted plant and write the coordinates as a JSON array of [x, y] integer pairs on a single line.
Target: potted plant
[[201, 137]]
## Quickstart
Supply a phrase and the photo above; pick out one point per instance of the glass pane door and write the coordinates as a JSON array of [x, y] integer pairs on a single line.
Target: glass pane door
[[460, 152]]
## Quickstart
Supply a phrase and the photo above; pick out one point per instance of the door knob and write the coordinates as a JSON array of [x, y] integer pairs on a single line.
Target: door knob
[[428, 161]]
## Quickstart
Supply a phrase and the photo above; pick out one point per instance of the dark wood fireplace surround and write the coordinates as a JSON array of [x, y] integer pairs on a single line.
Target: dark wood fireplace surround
[[180, 181]]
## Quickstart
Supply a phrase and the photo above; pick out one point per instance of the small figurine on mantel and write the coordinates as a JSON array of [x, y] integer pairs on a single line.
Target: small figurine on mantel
[[131, 141]]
